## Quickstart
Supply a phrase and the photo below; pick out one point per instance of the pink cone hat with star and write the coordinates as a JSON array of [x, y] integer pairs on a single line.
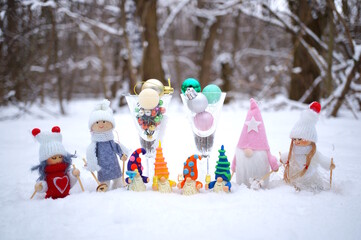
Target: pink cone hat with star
[[253, 134]]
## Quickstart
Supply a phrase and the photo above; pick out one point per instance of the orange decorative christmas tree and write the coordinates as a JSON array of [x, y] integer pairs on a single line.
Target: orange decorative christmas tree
[[161, 174]]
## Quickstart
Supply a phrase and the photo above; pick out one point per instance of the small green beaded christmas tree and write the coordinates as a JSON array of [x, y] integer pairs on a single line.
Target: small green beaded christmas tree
[[222, 168]]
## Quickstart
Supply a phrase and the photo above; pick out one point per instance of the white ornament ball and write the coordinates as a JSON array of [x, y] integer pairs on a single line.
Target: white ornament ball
[[147, 112], [148, 98], [198, 104]]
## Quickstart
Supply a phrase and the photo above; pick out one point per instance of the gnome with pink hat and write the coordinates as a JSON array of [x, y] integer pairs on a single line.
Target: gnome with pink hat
[[253, 159], [302, 160]]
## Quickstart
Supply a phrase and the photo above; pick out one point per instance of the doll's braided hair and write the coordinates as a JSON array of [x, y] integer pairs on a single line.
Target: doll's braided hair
[[286, 175]]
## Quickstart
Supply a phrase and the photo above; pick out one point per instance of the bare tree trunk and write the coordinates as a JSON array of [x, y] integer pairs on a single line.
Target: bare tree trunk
[[226, 76], [11, 70], [151, 63], [129, 62], [207, 57], [329, 79], [300, 82], [177, 66], [56, 60], [103, 71]]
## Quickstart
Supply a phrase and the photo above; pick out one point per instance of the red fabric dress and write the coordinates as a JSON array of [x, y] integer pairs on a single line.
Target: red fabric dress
[[57, 180]]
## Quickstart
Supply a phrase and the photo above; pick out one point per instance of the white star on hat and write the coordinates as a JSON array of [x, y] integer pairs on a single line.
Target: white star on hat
[[252, 125]]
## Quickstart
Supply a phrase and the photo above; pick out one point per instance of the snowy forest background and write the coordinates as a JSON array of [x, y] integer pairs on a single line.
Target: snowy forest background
[[59, 58], [65, 50]]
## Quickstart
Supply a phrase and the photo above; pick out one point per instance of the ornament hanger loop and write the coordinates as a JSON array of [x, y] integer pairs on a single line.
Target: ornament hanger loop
[[135, 86]]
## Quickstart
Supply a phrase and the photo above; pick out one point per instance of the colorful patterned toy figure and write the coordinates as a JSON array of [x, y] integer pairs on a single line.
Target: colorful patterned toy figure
[[56, 176], [190, 185], [161, 174], [135, 170], [223, 175]]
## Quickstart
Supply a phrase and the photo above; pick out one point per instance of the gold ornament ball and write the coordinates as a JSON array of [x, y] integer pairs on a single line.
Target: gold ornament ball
[[148, 98], [155, 85], [151, 127]]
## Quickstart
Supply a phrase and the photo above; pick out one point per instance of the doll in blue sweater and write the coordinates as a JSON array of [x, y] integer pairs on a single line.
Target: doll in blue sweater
[[102, 152]]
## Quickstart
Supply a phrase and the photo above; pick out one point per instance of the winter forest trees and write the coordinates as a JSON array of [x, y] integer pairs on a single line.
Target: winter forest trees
[[306, 50]]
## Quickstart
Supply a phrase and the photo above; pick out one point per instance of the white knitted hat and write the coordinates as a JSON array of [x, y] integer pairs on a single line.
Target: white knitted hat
[[305, 128], [50, 143], [102, 112]]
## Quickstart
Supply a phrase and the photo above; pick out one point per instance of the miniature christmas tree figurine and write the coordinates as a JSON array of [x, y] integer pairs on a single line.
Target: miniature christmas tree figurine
[[190, 185], [56, 175], [302, 160], [223, 175], [161, 174], [135, 171]]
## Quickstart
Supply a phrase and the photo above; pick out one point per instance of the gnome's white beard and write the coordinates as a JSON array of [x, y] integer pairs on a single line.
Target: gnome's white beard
[[189, 188], [164, 187], [138, 184], [218, 186], [255, 166]]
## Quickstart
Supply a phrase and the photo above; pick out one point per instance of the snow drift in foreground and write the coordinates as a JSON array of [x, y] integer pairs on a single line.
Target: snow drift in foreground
[[274, 213]]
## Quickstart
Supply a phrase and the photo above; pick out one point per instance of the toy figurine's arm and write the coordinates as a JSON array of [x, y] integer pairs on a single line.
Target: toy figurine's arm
[[72, 178], [211, 184], [233, 166], [118, 149], [323, 160], [44, 186], [199, 183], [272, 161], [172, 183], [229, 185], [126, 180], [283, 158], [91, 157], [145, 179]]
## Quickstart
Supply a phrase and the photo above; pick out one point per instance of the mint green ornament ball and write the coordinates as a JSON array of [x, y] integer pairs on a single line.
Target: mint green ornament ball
[[212, 93], [191, 82]]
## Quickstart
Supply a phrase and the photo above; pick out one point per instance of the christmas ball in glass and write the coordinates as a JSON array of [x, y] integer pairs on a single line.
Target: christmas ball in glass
[[203, 121], [148, 98], [198, 104], [191, 82], [212, 93], [154, 84]]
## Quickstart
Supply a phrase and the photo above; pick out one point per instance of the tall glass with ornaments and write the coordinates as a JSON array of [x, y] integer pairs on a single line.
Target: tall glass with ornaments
[[203, 108], [148, 110]]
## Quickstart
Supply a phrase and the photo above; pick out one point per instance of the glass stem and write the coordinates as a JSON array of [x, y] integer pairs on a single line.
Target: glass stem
[[207, 165]]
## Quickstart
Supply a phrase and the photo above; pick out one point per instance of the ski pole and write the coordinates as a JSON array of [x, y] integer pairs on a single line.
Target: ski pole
[[77, 177]]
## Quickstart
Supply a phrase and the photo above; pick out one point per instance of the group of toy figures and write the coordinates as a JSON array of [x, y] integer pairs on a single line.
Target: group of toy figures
[[252, 163]]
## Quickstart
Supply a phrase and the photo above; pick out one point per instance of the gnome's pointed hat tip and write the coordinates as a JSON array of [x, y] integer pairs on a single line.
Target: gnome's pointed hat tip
[[253, 104]]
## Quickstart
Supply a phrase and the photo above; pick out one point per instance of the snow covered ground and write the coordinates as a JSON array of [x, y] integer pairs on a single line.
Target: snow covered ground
[[275, 213]]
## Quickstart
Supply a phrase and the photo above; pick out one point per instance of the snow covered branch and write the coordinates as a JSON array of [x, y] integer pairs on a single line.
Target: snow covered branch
[[172, 16]]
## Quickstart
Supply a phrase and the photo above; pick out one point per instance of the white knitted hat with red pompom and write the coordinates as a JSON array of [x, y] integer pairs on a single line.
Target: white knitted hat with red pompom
[[50, 143], [305, 127], [102, 112]]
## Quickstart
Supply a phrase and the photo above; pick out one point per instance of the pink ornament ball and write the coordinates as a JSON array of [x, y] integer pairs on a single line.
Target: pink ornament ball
[[203, 121]]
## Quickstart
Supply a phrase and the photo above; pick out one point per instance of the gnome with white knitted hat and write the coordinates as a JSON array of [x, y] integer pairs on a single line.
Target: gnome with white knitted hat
[[302, 160], [253, 158], [56, 175], [102, 152]]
